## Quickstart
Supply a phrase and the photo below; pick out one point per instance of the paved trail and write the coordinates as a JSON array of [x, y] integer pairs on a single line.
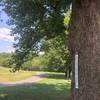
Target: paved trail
[[32, 79]]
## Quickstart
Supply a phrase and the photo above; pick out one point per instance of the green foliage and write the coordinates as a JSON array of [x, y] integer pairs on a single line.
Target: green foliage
[[5, 59], [37, 63], [33, 20], [57, 52], [57, 55], [53, 60]]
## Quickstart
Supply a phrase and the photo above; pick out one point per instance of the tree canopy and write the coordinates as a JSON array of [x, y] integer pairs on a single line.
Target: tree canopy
[[33, 20]]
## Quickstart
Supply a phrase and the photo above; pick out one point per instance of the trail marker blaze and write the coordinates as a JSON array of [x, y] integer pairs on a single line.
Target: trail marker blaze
[[76, 71]]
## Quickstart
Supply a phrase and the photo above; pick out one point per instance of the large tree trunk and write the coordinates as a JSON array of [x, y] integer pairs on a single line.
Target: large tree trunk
[[85, 39]]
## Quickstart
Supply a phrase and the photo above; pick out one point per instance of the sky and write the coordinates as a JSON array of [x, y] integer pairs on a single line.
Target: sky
[[6, 40]]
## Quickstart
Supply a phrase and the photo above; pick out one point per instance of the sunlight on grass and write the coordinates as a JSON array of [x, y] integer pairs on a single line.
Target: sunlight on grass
[[3, 95], [54, 87], [7, 76]]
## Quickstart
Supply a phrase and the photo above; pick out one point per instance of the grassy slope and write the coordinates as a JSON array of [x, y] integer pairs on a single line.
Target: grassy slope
[[7, 76], [54, 87]]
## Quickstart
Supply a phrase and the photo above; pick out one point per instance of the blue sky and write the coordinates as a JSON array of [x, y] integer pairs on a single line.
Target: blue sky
[[6, 41]]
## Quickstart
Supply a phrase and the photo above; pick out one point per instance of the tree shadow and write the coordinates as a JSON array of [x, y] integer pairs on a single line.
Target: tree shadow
[[37, 91], [55, 76], [5, 85]]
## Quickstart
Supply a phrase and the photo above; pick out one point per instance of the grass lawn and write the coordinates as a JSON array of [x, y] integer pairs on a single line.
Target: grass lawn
[[53, 87], [7, 76]]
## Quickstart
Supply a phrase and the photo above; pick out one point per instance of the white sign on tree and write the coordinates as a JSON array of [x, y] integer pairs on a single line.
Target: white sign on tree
[[76, 70]]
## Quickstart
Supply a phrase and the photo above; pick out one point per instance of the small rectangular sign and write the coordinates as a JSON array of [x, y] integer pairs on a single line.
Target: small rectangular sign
[[76, 70]]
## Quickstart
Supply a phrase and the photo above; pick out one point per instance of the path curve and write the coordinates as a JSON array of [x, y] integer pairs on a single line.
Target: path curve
[[32, 79]]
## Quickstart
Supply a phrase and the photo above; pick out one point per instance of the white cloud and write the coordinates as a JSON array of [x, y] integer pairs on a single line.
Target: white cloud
[[5, 35]]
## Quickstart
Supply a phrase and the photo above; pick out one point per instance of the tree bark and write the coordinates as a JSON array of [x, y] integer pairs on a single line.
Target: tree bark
[[85, 39]]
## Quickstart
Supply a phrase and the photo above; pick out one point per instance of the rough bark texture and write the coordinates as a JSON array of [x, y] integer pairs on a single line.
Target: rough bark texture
[[85, 39]]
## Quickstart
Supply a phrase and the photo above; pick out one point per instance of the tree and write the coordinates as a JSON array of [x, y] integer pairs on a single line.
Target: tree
[[32, 20], [5, 58], [84, 36], [57, 54], [85, 40]]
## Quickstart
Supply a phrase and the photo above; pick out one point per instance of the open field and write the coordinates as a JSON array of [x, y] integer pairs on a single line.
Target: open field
[[7, 76], [53, 87]]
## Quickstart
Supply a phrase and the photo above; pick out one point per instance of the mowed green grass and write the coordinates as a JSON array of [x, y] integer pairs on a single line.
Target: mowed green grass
[[7, 76], [53, 87]]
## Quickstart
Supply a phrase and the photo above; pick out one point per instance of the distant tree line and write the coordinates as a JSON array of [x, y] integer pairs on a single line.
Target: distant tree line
[[50, 61]]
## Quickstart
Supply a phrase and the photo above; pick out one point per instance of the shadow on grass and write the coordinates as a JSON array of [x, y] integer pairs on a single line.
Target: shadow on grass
[[55, 76], [39, 91], [5, 85]]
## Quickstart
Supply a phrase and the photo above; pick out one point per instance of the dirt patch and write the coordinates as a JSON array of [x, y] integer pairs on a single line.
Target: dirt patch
[[32, 79]]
